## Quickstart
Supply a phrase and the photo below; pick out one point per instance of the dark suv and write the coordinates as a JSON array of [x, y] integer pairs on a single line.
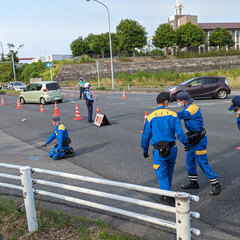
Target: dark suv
[[216, 87]]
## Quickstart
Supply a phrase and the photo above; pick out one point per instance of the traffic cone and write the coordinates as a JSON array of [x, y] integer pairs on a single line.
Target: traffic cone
[[145, 118], [124, 95], [77, 115], [56, 111], [18, 104], [41, 108], [98, 111], [238, 148], [2, 101]]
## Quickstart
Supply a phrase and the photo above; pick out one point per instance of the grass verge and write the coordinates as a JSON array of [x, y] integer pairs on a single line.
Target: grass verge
[[53, 225]]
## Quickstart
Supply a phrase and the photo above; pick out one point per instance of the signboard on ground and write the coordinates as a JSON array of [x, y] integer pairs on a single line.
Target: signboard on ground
[[101, 120]]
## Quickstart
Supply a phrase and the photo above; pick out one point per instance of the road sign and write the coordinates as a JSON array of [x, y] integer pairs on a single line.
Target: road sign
[[49, 58], [49, 65]]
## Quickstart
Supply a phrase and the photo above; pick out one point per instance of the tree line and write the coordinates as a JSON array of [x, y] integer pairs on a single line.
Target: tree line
[[130, 35]]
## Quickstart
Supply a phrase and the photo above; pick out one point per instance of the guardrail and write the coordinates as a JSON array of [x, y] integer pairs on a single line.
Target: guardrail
[[181, 209]]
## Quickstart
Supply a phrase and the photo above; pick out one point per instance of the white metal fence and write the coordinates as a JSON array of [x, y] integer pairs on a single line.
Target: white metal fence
[[181, 209]]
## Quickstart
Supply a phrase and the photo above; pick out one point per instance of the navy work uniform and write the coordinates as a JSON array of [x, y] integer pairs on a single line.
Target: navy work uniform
[[89, 103], [192, 116], [235, 105], [60, 133], [161, 125], [81, 85]]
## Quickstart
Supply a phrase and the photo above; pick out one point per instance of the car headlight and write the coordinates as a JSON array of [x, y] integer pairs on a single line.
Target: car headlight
[[172, 89]]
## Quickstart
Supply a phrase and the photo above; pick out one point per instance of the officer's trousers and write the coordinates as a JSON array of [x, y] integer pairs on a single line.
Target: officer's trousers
[[198, 154], [59, 154], [164, 167], [90, 110]]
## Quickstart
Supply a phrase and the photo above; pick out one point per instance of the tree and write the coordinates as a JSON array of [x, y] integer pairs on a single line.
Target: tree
[[14, 53], [79, 47], [98, 44], [164, 36], [220, 37], [131, 35], [190, 35]]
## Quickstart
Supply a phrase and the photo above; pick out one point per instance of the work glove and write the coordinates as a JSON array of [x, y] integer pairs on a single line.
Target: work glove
[[186, 148], [145, 154], [44, 145]]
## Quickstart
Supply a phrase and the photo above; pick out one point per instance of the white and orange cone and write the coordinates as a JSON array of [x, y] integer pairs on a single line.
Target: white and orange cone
[[18, 104], [77, 114], [56, 111], [2, 101], [98, 111], [41, 108], [124, 95], [145, 118]]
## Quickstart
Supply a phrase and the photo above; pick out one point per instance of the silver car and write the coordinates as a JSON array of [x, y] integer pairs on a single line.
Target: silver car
[[17, 86], [41, 92]]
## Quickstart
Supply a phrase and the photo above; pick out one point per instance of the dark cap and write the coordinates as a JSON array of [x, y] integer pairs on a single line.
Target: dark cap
[[235, 103], [162, 97], [184, 95], [56, 118]]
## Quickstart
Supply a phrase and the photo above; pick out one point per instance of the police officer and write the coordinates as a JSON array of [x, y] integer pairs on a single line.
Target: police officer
[[81, 85], [235, 106], [160, 127], [62, 148], [89, 101], [192, 116]]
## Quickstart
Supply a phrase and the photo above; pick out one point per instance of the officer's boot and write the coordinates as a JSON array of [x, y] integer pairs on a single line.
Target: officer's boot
[[193, 182], [216, 189]]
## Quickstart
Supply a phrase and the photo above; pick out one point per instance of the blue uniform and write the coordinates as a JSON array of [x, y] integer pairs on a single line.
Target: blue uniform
[[60, 133], [161, 125], [238, 121], [89, 104], [198, 153]]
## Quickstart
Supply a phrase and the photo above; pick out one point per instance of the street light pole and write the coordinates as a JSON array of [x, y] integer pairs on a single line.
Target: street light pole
[[110, 41]]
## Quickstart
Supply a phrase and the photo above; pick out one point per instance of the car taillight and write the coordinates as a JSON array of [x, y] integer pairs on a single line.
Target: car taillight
[[45, 90]]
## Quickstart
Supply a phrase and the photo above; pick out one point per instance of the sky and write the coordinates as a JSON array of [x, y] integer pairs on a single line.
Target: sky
[[49, 26]]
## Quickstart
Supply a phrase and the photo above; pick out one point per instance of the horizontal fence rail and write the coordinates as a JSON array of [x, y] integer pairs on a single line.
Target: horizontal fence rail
[[181, 209]]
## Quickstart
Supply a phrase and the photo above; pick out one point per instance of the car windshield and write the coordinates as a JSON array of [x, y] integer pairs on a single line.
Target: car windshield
[[18, 84], [52, 86], [186, 82]]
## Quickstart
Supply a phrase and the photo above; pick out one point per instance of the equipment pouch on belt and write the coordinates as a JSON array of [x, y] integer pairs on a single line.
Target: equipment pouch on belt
[[66, 142], [195, 137], [164, 147]]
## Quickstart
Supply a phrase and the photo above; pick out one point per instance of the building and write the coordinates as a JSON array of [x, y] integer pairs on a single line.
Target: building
[[180, 19]]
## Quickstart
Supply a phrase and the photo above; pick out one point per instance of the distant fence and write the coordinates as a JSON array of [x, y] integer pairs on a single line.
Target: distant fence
[[181, 209]]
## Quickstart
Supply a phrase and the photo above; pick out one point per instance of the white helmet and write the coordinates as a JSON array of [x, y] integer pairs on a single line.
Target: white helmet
[[87, 85]]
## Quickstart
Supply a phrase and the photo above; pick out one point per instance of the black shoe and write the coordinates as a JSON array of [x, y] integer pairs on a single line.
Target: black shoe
[[72, 153], [168, 200], [216, 189], [191, 185], [91, 121]]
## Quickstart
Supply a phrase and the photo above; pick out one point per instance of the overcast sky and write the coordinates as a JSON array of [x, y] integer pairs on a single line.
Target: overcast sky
[[49, 26]]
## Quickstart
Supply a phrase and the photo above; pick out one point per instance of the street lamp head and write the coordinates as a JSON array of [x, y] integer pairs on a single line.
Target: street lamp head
[[88, 0]]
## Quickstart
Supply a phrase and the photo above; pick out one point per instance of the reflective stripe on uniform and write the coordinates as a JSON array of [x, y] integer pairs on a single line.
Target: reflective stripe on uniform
[[156, 166], [193, 108], [61, 127], [161, 113], [201, 152]]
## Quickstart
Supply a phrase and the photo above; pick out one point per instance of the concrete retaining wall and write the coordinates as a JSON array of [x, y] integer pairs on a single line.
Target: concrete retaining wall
[[73, 72]]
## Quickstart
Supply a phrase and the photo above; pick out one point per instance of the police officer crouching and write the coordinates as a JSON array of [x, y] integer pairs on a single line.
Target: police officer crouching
[[192, 116], [161, 127], [62, 148]]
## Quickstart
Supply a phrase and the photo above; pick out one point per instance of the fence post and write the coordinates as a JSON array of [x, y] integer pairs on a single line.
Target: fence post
[[183, 216], [25, 173]]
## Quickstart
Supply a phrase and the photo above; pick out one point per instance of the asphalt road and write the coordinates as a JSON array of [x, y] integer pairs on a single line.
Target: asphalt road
[[114, 151]]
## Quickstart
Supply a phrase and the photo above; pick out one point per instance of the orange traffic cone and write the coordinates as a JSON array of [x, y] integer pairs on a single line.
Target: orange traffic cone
[[18, 104], [124, 95], [238, 148], [2, 101], [41, 108], [56, 111], [77, 115], [145, 118], [98, 111]]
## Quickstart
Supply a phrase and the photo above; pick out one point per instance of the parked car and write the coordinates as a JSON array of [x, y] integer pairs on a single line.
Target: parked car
[[216, 87], [17, 86], [41, 92]]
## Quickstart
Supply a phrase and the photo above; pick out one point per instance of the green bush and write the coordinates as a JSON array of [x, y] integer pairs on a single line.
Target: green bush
[[33, 68], [125, 59], [84, 59], [157, 53], [35, 75]]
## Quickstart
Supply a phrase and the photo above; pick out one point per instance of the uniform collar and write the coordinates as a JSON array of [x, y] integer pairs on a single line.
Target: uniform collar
[[187, 105], [161, 107]]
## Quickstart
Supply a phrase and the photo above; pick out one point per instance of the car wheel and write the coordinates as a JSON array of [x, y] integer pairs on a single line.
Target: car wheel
[[42, 101], [22, 100], [59, 101], [222, 94]]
